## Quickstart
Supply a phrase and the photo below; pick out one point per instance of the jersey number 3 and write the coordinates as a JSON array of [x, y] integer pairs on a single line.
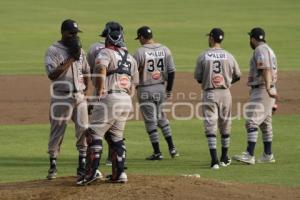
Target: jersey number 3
[[217, 68]]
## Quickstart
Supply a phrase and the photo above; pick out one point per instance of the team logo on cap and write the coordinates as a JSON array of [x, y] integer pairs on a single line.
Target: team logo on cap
[[75, 25], [261, 37]]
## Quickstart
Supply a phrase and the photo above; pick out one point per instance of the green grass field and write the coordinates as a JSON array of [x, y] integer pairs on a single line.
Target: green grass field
[[23, 153], [29, 27]]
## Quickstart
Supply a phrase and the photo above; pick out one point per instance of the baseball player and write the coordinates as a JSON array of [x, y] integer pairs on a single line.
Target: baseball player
[[156, 67], [262, 79], [91, 56], [118, 76], [216, 70], [67, 68]]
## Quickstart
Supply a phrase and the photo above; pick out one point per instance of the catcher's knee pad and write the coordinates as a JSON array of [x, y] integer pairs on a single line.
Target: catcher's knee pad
[[118, 158]]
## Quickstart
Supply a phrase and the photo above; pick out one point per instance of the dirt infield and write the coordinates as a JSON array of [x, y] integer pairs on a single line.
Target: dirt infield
[[145, 187], [25, 99]]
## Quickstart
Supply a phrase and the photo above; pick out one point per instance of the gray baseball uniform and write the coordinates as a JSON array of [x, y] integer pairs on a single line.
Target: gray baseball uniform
[[259, 110], [216, 69], [67, 98], [155, 62], [113, 109]]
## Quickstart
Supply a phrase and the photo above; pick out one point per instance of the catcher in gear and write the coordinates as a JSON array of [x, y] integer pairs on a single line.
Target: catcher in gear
[[263, 93], [117, 77], [68, 70], [91, 56]]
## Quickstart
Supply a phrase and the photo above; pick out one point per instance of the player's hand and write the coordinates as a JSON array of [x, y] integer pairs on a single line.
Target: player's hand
[[75, 48], [274, 108], [272, 93]]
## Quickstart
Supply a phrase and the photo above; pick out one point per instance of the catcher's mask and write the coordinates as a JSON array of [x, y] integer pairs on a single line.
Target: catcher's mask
[[111, 26], [115, 38]]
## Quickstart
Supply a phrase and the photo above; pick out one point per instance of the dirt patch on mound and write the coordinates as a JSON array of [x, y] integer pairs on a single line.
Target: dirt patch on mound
[[145, 187], [25, 99]]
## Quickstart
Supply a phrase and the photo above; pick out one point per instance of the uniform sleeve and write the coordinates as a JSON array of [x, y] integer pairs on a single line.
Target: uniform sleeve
[[86, 67], [139, 58], [198, 74], [51, 62], [102, 59], [135, 73], [262, 58], [90, 58], [169, 61], [235, 68]]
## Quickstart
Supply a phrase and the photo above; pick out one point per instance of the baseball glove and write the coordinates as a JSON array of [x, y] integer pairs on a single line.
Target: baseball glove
[[75, 48]]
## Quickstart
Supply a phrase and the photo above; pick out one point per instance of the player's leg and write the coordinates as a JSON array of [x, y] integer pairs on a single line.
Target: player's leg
[[224, 123], [164, 125], [267, 134], [149, 113], [254, 112], [60, 113], [108, 139], [100, 124], [80, 119], [210, 114], [117, 142]]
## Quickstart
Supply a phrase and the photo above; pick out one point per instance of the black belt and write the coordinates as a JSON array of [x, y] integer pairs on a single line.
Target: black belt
[[151, 84], [207, 89], [115, 91], [260, 86]]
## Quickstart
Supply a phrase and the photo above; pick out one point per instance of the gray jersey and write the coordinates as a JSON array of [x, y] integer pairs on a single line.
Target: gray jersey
[[216, 68], [154, 62], [118, 81], [263, 58], [72, 79], [93, 52]]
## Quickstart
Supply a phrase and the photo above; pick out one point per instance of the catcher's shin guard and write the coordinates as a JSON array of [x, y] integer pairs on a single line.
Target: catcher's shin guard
[[118, 160], [92, 160]]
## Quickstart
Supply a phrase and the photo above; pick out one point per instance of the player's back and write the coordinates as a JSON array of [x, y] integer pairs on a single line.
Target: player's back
[[216, 68], [121, 69], [154, 62]]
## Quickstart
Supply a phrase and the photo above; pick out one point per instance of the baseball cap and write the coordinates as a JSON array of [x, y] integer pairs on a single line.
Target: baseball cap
[[144, 31], [217, 34], [111, 26], [69, 25], [257, 33]]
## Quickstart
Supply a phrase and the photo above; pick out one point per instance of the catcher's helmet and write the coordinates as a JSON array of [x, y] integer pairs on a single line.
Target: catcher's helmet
[[111, 26], [116, 38]]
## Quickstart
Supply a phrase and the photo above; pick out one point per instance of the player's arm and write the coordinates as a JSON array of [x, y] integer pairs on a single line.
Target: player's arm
[[268, 80], [236, 76], [61, 69], [263, 65], [198, 73], [171, 72], [100, 79]]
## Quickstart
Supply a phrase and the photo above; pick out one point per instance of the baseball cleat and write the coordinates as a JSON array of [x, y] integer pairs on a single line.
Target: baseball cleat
[[215, 166], [99, 174], [91, 178], [154, 156], [122, 178], [245, 157], [265, 158], [225, 162], [52, 172], [173, 153]]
